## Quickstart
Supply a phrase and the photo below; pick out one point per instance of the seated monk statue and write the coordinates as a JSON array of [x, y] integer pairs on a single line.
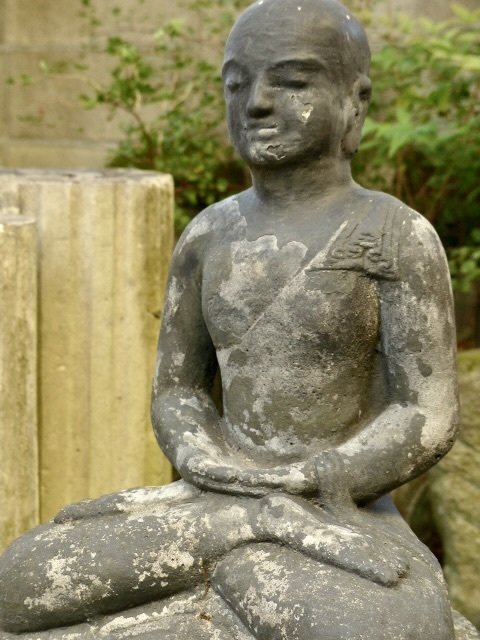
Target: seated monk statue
[[327, 310]]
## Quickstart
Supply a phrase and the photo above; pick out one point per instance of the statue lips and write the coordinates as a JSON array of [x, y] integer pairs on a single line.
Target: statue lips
[[261, 131]]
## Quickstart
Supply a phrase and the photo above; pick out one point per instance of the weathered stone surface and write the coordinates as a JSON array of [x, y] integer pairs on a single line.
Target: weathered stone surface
[[105, 240], [196, 614], [443, 506], [455, 496], [19, 493], [327, 309], [464, 630]]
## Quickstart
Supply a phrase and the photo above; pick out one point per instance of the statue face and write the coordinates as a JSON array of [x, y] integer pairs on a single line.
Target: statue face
[[285, 86]]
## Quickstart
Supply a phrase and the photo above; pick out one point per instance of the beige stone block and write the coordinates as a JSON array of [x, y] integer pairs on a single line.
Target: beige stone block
[[19, 489], [3, 95], [455, 495], [139, 20], [18, 154], [55, 22], [49, 107], [105, 244], [439, 10], [42, 21], [2, 21]]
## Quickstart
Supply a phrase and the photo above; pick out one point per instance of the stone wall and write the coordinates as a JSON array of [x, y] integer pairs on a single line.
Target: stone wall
[[443, 505], [42, 124]]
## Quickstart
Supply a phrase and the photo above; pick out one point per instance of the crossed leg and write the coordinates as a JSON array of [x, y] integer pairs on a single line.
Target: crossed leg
[[279, 594], [107, 555], [110, 555]]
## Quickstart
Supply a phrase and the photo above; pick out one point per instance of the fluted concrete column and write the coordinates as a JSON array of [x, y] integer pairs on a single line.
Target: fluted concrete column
[[19, 505], [105, 240]]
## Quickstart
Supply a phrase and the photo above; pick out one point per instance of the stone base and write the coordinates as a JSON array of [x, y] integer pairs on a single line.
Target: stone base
[[198, 615], [464, 630], [194, 615]]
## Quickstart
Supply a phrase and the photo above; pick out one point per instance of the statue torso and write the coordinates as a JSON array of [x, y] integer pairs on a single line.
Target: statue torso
[[295, 338]]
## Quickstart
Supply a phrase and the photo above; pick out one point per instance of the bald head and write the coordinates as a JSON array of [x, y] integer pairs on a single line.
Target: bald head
[[322, 25], [296, 83]]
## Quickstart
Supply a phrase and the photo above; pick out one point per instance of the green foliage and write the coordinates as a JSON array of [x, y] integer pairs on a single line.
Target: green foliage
[[422, 139], [171, 91], [465, 267]]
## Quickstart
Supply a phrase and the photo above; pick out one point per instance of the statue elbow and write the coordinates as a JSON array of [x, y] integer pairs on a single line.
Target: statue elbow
[[447, 425]]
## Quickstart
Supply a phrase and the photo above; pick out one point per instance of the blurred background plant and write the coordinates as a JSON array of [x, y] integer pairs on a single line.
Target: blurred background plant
[[421, 140], [422, 137], [171, 92]]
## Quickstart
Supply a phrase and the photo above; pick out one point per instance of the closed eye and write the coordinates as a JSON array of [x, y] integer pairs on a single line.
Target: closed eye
[[233, 84], [290, 83]]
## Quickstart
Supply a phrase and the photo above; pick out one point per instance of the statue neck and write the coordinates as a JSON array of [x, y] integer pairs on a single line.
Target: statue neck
[[285, 184]]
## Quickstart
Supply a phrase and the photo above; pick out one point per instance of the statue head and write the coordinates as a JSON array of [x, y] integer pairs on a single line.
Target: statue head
[[296, 82]]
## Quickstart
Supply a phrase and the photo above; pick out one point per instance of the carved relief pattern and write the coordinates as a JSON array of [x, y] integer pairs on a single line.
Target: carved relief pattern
[[368, 242]]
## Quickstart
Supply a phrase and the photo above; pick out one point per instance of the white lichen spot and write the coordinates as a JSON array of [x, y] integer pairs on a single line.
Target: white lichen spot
[[238, 527], [120, 623], [200, 226], [172, 302], [178, 359], [175, 559], [56, 533], [65, 585], [307, 112], [193, 402]]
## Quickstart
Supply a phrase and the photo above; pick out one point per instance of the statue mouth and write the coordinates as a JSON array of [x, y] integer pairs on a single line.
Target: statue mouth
[[261, 131]]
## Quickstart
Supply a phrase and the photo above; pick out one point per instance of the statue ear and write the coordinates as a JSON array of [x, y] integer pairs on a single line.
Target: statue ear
[[356, 111]]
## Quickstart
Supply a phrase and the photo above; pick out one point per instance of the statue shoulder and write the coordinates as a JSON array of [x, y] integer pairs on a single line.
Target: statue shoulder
[[380, 236], [208, 225], [419, 249]]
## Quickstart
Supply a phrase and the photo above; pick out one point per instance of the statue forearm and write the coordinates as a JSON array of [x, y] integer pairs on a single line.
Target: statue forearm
[[400, 444], [186, 425]]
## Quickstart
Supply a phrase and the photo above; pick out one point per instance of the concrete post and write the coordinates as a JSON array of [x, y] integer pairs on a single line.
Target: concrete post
[[105, 240], [18, 378]]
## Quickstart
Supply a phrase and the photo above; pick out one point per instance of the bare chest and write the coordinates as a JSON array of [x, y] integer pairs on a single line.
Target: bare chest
[[253, 287]]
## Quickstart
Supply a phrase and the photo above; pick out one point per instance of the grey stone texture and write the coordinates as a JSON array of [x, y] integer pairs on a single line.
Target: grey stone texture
[[327, 309], [446, 501], [455, 495]]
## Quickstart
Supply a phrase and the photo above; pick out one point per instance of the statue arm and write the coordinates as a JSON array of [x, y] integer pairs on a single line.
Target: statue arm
[[184, 417], [418, 345]]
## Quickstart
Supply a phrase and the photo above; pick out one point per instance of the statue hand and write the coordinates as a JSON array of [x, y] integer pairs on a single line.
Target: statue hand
[[298, 478], [312, 531], [216, 473], [332, 481]]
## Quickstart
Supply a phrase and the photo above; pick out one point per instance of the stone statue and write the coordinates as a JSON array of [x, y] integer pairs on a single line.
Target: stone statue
[[327, 309]]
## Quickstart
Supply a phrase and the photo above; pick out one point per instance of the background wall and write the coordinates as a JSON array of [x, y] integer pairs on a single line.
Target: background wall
[[42, 125]]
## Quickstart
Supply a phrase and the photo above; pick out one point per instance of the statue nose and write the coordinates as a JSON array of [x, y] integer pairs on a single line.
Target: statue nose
[[260, 101]]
